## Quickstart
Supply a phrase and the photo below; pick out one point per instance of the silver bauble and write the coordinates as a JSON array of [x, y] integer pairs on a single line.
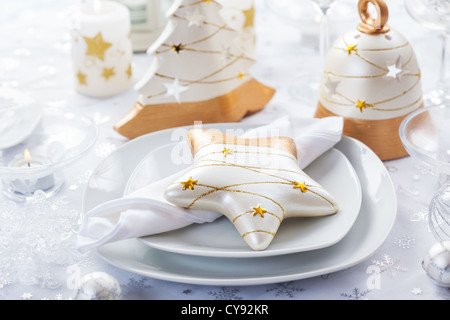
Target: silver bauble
[[437, 263], [98, 286]]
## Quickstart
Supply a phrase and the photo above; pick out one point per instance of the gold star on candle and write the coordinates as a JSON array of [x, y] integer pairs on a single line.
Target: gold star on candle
[[259, 211], [249, 17], [81, 78], [351, 49], [189, 184], [108, 72], [129, 71], [226, 152], [300, 186], [96, 46], [363, 105], [241, 75]]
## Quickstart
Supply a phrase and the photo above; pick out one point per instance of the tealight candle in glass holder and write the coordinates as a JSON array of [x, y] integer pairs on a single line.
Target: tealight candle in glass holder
[[62, 138], [28, 180], [102, 48]]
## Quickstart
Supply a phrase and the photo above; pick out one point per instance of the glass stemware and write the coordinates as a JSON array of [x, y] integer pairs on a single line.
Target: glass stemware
[[425, 134], [324, 7], [435, 14], [313, 18], [305, 86]]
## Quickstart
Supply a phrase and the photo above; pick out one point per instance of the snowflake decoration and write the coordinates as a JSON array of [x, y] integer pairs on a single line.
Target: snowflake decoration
[[420, 215], [387, 264], [285, 289], [104, 149], [405, 242], [26, 296], [391, 168], [356, 294], [417, 291], [134, 288], [225, 294], [426, 169], [34, 238], [408, 192], [84, 177]]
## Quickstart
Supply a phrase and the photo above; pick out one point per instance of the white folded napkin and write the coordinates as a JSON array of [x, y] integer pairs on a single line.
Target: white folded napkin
[[146, 212]]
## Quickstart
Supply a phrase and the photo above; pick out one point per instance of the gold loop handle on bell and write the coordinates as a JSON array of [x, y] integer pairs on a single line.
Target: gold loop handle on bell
[[370, 24]]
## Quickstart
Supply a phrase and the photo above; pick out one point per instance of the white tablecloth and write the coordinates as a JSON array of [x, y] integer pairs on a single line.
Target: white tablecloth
[[35, 70]]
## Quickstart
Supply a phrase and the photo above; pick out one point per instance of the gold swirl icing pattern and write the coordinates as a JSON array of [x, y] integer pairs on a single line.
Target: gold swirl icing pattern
[[333, 94], [254, 187]]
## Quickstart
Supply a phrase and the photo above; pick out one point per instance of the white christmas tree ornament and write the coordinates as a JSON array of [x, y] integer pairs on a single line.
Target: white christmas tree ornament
[[199, 73]]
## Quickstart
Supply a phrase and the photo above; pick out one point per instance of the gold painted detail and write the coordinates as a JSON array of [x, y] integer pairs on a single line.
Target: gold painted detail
[[191, 46], [251, 168], [374, 105], [256, 231], [351, 48], [361, 105], [246, 152], [177, 48], [96, 46], [189, 184], [81, 78], [226, 152], [303, 188], [252, 211], [259, 211], [129, 71], [108, 72]]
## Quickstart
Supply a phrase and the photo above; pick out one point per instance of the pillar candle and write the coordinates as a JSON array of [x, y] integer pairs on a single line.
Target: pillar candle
[[101, 49]]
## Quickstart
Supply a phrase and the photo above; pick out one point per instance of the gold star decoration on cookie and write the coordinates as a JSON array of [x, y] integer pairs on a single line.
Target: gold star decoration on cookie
[[81, 78], [361, 105], [189, 184], [226, 152], [108, 72], [259, 211], [303, 188], [96, 46], [351, 48], [261, 172]]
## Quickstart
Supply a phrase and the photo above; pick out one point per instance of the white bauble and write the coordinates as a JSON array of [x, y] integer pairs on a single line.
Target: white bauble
[[98, 286], [437, 263]]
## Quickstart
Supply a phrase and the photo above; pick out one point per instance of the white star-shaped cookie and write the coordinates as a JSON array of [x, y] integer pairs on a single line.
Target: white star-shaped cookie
[[255, 183]]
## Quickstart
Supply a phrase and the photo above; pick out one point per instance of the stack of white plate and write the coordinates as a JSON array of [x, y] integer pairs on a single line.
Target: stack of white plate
[[215, 254]]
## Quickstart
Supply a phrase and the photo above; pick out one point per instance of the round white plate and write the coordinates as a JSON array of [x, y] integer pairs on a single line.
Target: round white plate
[[371, 228], [16, 124], [220, 239]]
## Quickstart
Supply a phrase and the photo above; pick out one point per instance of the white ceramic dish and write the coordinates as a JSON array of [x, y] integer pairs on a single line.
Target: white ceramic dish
[[16, 125], [371, 228], [219, 239]]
